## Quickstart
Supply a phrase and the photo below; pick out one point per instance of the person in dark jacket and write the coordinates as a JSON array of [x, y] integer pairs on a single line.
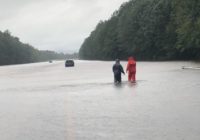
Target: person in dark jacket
[[117, 70]]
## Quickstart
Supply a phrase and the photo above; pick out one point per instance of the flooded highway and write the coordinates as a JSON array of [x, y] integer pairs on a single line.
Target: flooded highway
[[47, 101]]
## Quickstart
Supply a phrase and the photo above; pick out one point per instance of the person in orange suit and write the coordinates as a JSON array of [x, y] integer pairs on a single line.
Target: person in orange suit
[[131, 69]]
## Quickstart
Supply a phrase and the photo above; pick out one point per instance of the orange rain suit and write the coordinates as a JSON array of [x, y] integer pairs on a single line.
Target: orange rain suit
[[131, 69]]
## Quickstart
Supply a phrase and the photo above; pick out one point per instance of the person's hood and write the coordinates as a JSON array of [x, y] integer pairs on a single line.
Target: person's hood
[[131, 60]]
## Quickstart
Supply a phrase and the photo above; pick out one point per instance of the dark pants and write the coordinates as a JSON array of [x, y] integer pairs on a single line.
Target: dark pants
[[117, 78]]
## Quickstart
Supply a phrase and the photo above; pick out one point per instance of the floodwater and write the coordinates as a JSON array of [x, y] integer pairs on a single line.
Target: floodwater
[[46, 101]]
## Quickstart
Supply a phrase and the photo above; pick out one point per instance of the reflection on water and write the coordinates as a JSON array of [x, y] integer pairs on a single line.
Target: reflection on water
[[126, 84], [46, 101]]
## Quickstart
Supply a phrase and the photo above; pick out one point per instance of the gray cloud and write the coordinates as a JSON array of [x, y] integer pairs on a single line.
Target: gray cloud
[[60, 25]]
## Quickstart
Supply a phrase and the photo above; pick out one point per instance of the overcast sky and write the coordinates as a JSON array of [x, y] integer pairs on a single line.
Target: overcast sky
[[58, 25]]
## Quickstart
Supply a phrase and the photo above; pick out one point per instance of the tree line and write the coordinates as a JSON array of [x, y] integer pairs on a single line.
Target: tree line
[[148, 30], [13, 51]]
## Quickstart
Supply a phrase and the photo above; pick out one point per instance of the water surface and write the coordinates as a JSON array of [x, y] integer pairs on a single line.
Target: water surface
[[46, 101]]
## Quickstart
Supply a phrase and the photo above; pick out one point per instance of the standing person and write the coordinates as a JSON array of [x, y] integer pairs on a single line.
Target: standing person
[[117, 70], [131, 69]]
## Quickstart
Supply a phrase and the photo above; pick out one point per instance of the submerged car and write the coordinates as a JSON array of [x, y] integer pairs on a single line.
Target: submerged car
[[69, 63], [50, 61]]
